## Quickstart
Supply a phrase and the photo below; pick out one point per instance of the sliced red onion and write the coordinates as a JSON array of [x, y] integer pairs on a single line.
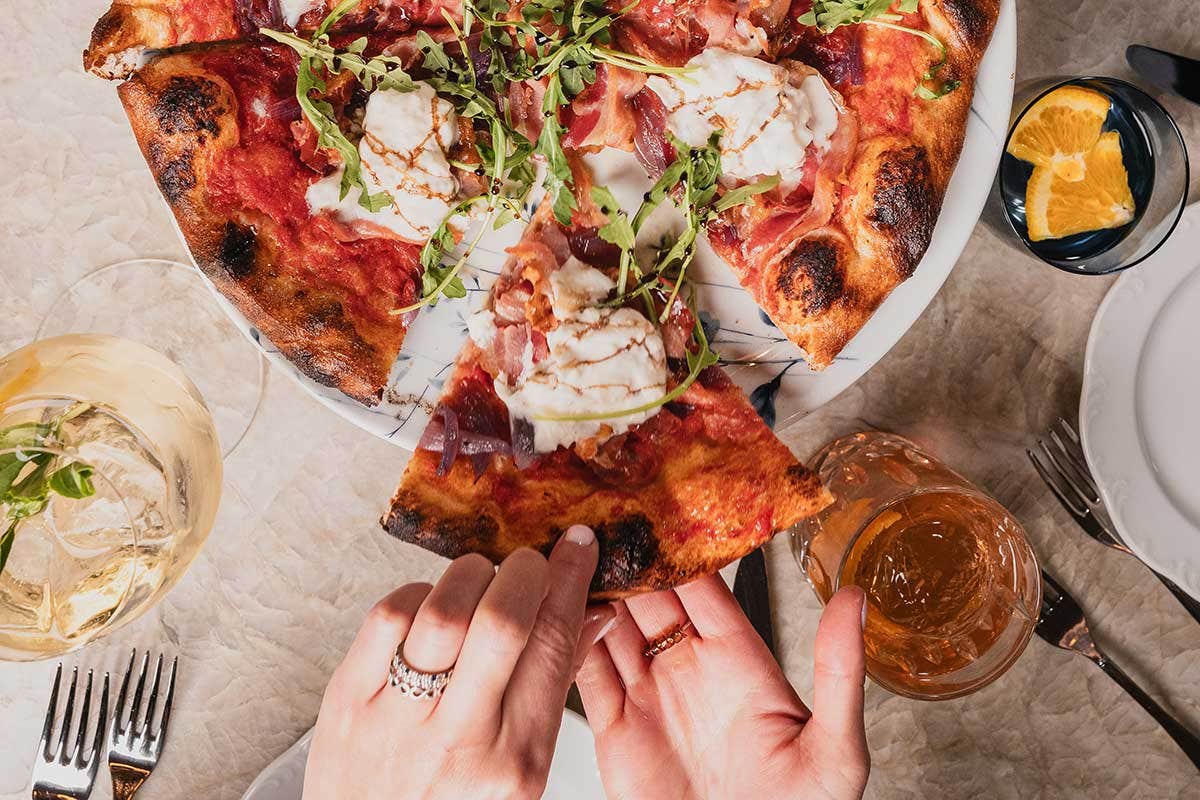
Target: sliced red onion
[[442, 434], [479, 462], [522, 443]]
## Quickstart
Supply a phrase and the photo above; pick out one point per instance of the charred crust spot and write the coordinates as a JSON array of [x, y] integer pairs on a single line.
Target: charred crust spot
[[189, 104], [446, 539], [972, 18], [812, 275], [628, 549], [803, 479], [905, 205], [714, 379], [326, 315], [109, 26], [176, 177], [237, 251]]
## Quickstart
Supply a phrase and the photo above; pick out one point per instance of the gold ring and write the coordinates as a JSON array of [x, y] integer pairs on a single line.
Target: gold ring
[[667, 640]]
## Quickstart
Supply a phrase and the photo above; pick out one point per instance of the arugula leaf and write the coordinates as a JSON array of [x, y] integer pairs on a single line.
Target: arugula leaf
[[558, 178], [829, 15], [618, 230], [742, 194]]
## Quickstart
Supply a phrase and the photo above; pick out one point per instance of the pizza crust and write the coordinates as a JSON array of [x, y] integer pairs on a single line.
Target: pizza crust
[[185, 116]]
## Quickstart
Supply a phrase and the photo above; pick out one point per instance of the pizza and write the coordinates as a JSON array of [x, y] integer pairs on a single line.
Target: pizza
[[674, 491], [325, 159], [863, 125], [258, 201]]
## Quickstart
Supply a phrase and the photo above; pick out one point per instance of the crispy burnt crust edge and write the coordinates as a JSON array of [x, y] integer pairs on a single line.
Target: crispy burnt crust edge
[[633, 559], [183, 117], [824, 289]]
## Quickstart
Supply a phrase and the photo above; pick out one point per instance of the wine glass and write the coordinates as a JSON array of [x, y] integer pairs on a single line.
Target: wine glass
[[167, 306], [111, 472]]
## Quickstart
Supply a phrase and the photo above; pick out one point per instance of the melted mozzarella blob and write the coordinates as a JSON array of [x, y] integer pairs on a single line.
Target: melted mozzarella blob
[[293, 10], [767, 115], [406, 136], [600, 360]]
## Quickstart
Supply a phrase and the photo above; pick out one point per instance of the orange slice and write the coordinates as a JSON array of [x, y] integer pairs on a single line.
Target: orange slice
[[1060, 129], [1056, 207]]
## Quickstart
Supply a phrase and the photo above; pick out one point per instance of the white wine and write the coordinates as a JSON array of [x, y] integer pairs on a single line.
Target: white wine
[[86, 565]]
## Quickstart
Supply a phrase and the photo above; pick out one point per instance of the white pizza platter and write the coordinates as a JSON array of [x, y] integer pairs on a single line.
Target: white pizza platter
[[573, 772], [766, 365]]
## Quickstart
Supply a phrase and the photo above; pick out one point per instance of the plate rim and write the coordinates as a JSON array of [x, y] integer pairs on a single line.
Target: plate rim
[[1112, 440], [883, 330]]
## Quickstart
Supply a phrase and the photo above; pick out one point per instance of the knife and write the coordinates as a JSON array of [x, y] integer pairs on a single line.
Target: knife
[[750, 589], [1166, 70]]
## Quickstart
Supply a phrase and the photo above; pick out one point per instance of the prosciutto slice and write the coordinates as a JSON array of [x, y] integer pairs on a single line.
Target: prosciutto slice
[[602, 115]]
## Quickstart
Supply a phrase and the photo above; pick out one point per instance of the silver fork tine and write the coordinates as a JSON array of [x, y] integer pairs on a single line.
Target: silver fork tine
[[77, 752], [1065, 475], [1053, 480], [48, 727], [1074, 448], [120, 710], [61, 753], [161, 734], [135, 724], [150, 704], [98, 740], [1077, 471]]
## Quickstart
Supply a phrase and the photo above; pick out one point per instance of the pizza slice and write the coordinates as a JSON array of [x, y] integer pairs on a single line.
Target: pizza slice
[[130, 28], [268, 215], [566, 408], [861, 126]]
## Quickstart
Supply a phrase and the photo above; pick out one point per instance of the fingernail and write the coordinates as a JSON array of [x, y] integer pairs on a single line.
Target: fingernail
[[580, 534], [606, 628], [597, 622], [864, 612]]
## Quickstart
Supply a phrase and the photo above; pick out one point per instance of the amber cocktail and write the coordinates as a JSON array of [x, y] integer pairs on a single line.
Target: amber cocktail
[[952, 586]]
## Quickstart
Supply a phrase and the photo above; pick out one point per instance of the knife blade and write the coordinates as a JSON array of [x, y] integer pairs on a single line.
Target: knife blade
[[751, 591], [1168, 71]]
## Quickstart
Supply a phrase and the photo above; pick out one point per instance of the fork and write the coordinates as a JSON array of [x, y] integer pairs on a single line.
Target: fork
[[133, 748], [1059, 459], [1062, 624], [63, 774]]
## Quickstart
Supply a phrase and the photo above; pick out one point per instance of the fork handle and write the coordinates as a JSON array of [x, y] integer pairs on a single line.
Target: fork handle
[[1186, 600], [1187, 741]]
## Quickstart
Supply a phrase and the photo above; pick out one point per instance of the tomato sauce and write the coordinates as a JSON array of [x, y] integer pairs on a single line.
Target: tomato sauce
[[266, 177]]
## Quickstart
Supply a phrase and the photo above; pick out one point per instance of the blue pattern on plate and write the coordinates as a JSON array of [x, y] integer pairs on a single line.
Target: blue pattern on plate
[[763, 397]]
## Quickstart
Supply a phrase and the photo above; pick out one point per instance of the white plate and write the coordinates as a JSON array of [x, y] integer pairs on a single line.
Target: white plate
[[775, 378], [1140, 410], [573, 773]]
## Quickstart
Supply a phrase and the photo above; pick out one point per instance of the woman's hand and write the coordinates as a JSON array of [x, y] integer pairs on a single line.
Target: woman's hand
[[513, 637], [713, 716]]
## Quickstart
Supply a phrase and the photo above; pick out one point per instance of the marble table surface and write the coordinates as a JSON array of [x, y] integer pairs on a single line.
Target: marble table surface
[[296, 557]]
